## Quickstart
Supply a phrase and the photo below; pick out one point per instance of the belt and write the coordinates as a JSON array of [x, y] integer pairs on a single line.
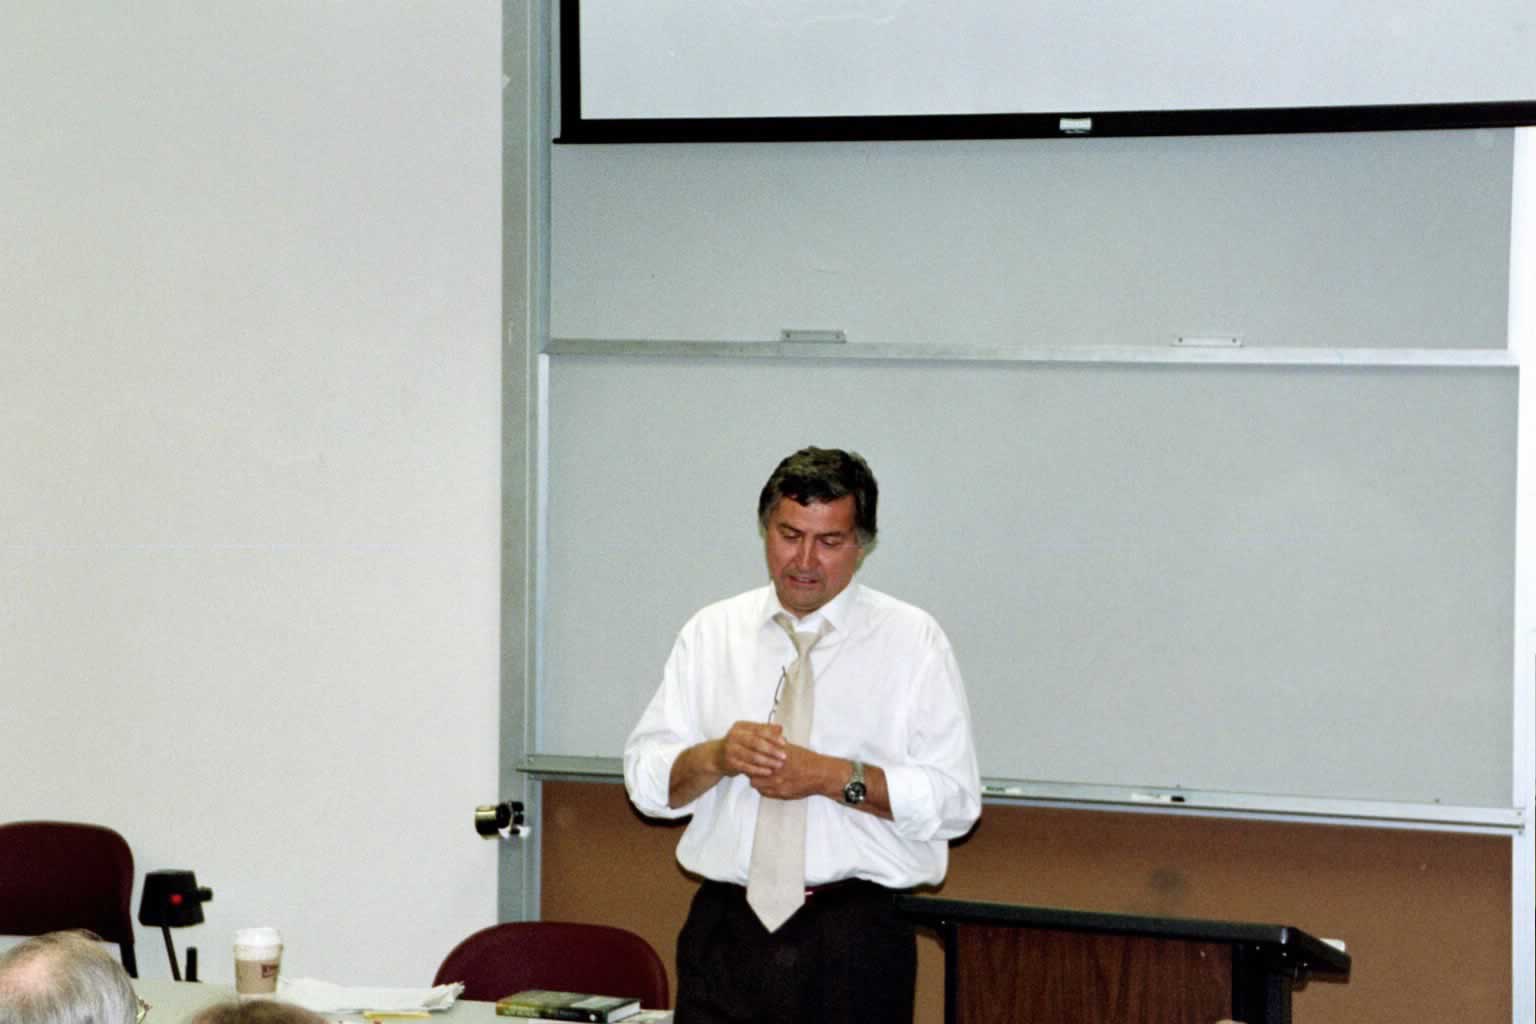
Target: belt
[[831, 888], [824, 890]]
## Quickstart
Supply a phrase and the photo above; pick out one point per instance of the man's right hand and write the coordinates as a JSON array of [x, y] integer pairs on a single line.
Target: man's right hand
[[748, 748], [752, 748]]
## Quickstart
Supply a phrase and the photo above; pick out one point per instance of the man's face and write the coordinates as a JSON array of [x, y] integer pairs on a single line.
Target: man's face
[[812, 552]]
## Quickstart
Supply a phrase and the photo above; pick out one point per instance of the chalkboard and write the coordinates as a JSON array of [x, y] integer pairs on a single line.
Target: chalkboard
[[1294, 580], [1385, 240]]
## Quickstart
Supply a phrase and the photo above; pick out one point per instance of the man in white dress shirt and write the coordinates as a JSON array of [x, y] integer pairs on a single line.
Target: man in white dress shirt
[[888, 775]]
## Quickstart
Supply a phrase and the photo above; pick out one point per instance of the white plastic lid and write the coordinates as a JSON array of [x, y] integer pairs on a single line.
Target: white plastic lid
[[258, 937]]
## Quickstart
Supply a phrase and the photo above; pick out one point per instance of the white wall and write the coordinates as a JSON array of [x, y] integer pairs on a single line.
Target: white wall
[[249, 450]]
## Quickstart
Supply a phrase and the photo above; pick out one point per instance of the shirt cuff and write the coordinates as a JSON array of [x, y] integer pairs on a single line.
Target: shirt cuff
[[914, 811], [648, 777]]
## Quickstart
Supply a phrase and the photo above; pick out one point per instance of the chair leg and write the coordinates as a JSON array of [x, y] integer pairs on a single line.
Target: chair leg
[[130, 962]]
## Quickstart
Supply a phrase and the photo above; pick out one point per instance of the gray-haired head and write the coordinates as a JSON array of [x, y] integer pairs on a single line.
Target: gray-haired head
[[64, 978], [814, 475]]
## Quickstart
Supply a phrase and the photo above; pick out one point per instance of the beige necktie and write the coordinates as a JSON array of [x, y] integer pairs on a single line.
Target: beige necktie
[[776, 877]]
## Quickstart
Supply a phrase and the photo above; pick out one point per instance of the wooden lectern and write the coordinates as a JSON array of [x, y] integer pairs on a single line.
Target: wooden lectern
[[1021, 964]]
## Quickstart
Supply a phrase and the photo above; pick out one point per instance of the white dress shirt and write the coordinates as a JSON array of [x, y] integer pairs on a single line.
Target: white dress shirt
[[887, 692]]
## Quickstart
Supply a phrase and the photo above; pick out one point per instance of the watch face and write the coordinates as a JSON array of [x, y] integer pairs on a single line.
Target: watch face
[[853, 793]]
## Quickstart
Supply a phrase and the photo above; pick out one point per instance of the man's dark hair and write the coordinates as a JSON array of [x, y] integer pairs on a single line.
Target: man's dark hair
[[813, 475]]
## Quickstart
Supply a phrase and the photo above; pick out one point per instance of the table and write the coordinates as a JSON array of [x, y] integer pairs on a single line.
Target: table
[[176, 1002]]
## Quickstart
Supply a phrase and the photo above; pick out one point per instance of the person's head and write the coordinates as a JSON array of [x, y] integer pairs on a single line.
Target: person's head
[[817, 517], [64, 978], [257, 1011]]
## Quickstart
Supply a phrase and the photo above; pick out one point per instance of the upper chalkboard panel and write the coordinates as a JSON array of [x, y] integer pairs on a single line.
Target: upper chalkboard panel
[[699, 70]]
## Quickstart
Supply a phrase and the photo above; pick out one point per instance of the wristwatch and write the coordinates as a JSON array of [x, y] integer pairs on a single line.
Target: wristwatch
[[853, 790]]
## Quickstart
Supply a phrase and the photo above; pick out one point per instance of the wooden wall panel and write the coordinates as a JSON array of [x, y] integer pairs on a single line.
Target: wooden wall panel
[[1021, 974], [1426, 915]]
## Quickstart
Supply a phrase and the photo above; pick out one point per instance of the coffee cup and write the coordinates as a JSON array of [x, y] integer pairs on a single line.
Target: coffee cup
[[258, 955]]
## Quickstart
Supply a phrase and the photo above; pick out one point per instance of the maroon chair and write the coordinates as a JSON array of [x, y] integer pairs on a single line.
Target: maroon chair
[[594, 958], [59, 875]]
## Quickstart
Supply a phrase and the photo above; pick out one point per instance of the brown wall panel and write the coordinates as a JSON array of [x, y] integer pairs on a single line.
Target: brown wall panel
[[1020, 974], [1426, 915]]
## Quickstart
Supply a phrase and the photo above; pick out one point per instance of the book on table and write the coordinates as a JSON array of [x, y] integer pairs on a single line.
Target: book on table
[[550, 1005]]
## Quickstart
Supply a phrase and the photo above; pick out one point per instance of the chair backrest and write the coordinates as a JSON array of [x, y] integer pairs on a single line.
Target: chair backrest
[[58, 875], [595, 958]]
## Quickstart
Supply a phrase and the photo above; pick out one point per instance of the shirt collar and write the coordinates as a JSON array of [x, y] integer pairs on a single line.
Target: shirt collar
[[835, 613]]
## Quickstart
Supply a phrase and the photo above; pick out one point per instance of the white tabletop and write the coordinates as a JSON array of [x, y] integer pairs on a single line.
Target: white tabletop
[[175, 1002]]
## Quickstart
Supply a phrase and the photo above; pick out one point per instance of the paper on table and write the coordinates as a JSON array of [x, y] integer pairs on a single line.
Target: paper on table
[[324, 997]]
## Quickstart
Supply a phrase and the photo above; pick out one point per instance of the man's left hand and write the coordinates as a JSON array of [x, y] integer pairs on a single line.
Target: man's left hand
[[803, 773]]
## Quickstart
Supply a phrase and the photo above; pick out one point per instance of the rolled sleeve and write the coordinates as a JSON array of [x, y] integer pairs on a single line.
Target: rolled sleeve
[[663, 732], [936, 792], [648, 776]]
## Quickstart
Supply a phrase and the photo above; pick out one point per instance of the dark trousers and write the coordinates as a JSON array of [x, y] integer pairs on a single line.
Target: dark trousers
[[846, 957]]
